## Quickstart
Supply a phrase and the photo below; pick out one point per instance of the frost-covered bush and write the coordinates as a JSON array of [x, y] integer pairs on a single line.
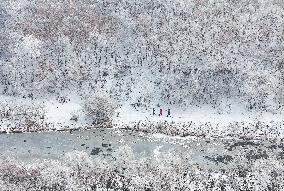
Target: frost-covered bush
[[78, 171], [20, 116], [244, 130], [99, 110]]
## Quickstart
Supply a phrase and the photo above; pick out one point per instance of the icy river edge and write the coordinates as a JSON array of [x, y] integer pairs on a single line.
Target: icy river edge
[[206, 153]]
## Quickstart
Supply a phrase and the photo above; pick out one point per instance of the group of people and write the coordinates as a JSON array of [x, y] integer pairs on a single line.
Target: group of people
[[161, 112]]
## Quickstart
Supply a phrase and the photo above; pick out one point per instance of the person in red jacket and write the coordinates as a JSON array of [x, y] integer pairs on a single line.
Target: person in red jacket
[[161, 112]]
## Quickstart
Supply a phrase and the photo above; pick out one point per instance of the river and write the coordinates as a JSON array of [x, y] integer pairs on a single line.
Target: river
[[205, 152]]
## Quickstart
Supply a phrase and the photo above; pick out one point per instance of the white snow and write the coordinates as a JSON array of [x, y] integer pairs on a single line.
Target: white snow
[[202, 114], [61, 113]]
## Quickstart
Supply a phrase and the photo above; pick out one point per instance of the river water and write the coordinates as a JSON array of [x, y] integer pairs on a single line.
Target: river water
[[206, 153]]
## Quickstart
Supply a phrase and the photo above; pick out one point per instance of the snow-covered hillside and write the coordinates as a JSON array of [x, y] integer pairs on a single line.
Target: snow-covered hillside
[[208, 61], [192, 91], [147, 52]]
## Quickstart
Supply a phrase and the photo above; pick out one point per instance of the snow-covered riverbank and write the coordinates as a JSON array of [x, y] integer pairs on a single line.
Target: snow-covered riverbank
[[43, 116], [118, 159]]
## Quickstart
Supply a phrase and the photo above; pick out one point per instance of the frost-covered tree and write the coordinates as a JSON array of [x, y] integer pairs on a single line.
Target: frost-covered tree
[[175, 52], [99, 110]]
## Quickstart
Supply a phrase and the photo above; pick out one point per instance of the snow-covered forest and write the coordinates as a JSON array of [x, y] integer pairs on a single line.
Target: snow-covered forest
[[77, 171], [147, 52], [175, 53], [215, 68]]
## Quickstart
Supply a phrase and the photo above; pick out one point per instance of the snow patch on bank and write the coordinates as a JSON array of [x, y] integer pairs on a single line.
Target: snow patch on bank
[[203, 114], [62, 112]]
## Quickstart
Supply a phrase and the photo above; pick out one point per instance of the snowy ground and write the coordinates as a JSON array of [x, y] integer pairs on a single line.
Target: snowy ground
[[61, 113], [202, 114], [58, 115]]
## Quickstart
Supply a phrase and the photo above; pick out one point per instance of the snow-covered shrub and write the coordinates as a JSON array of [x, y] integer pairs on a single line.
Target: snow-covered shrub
[[99, 110], [170, 171], [19, 116], [74, 117], [244, 130]]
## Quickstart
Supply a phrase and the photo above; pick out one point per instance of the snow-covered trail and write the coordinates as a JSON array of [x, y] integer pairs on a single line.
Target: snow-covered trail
[[201, 114], [61, 113]]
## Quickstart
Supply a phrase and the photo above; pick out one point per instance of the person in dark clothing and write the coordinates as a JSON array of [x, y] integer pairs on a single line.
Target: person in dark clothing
[[169, 113], [154, 111]]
